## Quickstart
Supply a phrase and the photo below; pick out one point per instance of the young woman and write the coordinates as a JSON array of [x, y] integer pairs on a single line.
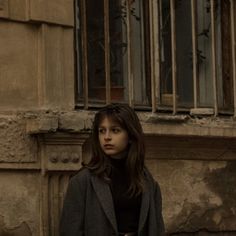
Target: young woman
[[114, 194]]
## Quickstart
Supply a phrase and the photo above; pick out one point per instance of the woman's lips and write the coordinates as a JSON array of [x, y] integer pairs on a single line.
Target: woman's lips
[[108, 146]]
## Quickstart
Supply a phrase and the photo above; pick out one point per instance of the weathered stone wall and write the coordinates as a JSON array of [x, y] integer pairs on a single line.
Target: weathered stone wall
[[36, 73], [37, 55], [196, 174], [43, 140], [16, 146], [197, 195], [19, 203]]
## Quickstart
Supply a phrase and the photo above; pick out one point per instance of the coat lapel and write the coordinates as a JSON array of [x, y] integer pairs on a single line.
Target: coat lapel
[[144, 208], [104, 195]]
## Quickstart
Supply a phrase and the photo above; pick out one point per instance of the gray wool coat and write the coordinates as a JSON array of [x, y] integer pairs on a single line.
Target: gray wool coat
[[88, 208]]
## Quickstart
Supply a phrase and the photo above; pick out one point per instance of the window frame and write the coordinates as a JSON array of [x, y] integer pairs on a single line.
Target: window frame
[[152, 62]]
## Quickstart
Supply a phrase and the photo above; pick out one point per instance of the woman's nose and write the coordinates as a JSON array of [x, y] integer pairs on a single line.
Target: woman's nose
[[107, 135]]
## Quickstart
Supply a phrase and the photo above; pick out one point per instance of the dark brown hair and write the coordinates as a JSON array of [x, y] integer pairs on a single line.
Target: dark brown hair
[[127, 119]]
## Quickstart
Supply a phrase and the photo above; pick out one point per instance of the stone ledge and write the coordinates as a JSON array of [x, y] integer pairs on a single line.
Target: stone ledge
[[42, 125], [80, 121], [76, 121]]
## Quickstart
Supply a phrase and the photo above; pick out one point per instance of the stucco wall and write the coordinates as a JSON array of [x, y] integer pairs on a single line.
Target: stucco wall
[[197, 195], [36, 73], [43, 139], [197, 180], [19, 203], [37, 55]]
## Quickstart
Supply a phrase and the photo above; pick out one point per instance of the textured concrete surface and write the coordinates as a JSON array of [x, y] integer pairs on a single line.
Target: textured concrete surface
[[18, 65], [19, 204], [15, 144], [53, 11], [38, 61], [198, 190], [196, 172], [197, 195]]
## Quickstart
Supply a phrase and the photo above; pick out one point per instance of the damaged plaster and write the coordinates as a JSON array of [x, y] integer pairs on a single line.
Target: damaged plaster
[[20, 230], [19, 204], [197, 194], [15, 144], [197, 188], [152, 123]]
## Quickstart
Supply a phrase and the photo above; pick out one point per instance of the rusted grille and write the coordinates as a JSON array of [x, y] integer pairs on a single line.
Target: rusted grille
[[167, 55]]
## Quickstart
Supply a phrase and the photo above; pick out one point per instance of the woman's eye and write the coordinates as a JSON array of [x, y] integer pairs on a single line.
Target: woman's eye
[[116, 130], [101, 131]]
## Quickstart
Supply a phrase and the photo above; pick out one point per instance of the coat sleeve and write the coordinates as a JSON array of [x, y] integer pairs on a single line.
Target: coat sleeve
[[72, 217], [158, 200]]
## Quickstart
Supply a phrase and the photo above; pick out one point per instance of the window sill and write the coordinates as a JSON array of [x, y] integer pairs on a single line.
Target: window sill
[[153, 124]]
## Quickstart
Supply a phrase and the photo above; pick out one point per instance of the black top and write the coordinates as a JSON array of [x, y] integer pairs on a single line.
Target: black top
[[127, 209]]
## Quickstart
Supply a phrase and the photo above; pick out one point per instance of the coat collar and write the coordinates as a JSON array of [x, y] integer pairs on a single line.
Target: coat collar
[[144, 208], [104, 195], [103, 192]]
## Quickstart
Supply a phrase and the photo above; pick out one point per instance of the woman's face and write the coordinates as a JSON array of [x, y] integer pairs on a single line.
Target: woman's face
[[113, 138]]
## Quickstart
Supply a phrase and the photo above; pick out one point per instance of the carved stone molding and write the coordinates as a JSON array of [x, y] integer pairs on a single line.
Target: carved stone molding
[[62, 152], [61, 156]]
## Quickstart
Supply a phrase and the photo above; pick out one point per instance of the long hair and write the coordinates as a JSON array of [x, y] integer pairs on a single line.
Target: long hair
[[126, 117]]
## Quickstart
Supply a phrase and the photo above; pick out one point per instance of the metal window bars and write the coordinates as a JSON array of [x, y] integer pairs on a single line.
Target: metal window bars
[[232, 16], [154, 46]]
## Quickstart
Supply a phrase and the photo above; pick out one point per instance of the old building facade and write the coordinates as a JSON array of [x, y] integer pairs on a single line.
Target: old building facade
[[44, 130]]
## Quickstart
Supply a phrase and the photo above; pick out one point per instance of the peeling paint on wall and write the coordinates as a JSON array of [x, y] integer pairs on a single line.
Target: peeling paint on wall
[[222, 181], [20, 230], [19, 203], [197, 195]]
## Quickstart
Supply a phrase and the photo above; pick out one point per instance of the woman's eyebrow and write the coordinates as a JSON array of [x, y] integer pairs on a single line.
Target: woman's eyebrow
[[112, 126], [116, 125]]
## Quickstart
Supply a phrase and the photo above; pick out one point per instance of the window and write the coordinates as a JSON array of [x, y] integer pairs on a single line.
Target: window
[[168, 55]]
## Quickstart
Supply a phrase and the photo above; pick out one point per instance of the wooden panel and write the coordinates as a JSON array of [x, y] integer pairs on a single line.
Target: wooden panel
[[107, 51], [173, 56], [226, 55], [214, 55]]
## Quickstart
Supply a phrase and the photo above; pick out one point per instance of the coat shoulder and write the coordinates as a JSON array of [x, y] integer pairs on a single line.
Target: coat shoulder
[[149, 176], [151, 181], [82, 176]]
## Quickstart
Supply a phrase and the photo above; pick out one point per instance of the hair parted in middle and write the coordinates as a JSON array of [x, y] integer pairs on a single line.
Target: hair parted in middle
[[126, 117]]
